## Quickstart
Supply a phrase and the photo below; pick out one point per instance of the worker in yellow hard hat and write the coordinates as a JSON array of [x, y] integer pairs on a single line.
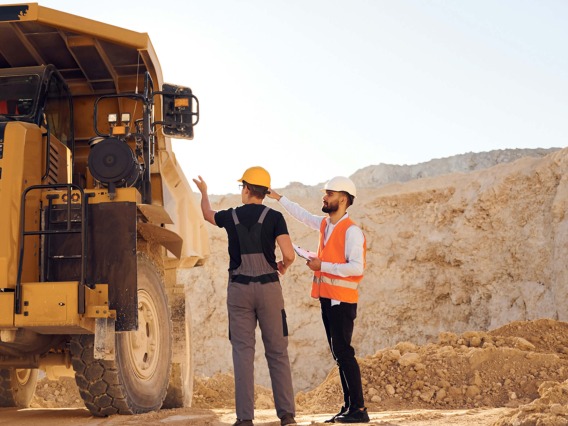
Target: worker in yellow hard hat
[[254, 293], [337, 271]]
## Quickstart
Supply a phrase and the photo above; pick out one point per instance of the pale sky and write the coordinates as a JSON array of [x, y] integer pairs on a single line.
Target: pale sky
[[310, 89]]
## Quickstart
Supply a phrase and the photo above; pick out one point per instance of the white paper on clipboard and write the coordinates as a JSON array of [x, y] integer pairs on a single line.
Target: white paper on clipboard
[[304, 253]]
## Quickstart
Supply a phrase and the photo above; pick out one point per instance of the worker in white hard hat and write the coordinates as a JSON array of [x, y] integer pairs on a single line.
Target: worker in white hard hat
[[338, 270], [254, 292]]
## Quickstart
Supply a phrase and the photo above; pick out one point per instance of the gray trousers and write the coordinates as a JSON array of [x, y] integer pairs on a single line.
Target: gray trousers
[[247, 304]]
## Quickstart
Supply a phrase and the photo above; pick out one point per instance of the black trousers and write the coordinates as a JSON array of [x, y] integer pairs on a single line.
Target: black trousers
[[338, 321]]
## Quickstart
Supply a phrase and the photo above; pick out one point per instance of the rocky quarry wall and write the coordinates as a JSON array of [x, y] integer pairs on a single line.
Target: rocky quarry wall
[[468, 250]]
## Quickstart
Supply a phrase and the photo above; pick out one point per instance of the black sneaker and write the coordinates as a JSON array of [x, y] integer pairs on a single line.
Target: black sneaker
[[342, 411], [240, 422], [356, 415], [287, 419]]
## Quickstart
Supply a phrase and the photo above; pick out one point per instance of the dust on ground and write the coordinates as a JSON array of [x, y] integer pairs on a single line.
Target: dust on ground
[[513, 375]]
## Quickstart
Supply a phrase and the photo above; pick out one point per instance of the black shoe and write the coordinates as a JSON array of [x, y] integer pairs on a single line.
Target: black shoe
[[240, 422], [287, 419], [342, 411], [356, 415]]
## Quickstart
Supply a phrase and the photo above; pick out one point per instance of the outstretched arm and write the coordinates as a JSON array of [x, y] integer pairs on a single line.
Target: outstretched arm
[[298, 212], [208, 212]]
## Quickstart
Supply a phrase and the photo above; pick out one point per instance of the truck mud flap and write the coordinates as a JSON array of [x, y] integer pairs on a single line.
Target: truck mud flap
[[111, 257]]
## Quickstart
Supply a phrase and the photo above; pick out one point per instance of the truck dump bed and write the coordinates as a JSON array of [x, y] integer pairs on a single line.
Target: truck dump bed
[[99, 59], [93, 57]]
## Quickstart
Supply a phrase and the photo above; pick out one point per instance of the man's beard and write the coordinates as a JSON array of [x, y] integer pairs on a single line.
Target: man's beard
[[330, 208]]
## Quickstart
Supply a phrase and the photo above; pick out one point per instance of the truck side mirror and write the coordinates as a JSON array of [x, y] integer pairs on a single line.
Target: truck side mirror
[[180, 111]]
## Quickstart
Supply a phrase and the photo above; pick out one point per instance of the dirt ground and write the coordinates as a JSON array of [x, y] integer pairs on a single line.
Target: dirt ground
[[514, 375], [225, 417]]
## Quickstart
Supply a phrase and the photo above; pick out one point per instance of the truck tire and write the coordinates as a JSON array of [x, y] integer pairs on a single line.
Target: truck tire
[[137, 380], [180, 389], [17, 386]]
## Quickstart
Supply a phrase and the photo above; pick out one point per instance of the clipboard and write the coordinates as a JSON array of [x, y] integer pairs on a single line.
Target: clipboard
[[304, 253]]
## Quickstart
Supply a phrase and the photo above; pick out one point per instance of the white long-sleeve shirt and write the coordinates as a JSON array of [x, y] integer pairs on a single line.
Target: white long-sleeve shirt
[[354, 240]]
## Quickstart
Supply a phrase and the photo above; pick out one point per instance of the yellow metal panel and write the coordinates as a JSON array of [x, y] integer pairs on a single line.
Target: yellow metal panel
[[21, 166], [118, 130], [183, 209], [48, 304], [80, 25], [96, 303], [60, 170], [96, 196], [4, 270], [7, 309], [155, 214], [163, 236], [122, 195], [52, 307], [97, 296]]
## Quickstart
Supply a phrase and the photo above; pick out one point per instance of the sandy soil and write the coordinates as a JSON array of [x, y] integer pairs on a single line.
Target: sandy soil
[[513, 375], [224, 417]]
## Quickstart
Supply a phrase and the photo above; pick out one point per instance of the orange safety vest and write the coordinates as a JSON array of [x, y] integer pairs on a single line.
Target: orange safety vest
[[332, 286]]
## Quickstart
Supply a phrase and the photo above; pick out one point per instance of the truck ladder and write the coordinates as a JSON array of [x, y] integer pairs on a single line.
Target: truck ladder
[[47, 232]]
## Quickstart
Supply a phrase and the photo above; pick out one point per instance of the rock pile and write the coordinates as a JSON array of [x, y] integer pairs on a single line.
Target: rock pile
[[551, 409], [503, 367], [523, 365], [57, 393], [218, 391]]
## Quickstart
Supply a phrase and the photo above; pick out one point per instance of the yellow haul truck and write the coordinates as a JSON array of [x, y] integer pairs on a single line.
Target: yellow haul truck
[[96, 216]]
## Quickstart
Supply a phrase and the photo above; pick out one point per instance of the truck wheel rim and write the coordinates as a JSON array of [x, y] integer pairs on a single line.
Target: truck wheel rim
[[144, 343], [23, 375]]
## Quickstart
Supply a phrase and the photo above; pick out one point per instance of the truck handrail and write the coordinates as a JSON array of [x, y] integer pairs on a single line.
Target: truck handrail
[[24, 233]]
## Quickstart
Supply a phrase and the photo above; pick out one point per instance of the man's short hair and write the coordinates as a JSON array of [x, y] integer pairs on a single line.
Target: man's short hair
[[256, 191], [350, 198]]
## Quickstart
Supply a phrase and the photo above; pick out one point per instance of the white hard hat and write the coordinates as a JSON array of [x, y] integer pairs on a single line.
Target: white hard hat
[[341, 183]]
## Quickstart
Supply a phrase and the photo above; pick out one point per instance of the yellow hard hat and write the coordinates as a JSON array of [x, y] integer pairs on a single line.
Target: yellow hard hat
[[256, 176]]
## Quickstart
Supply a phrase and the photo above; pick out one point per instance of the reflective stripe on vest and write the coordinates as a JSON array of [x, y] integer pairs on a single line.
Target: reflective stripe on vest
[[332, 286]]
